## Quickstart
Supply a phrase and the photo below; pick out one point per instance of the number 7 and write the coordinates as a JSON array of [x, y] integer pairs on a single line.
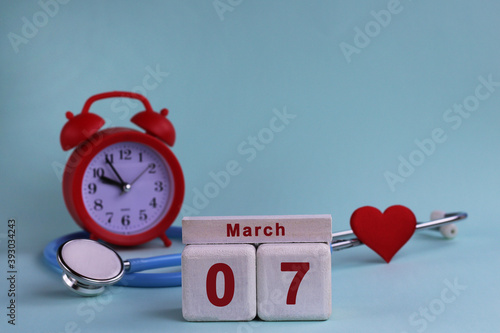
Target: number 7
[[301, 268]]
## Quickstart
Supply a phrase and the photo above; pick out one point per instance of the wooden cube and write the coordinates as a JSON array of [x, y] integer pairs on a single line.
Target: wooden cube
[[294, 281], [219, 282]]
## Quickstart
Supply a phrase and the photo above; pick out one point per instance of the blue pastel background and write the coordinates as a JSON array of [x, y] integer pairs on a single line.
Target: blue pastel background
[[362, 97]]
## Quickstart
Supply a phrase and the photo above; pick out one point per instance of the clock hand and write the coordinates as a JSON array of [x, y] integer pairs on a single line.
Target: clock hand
[[128, 187], [122, 183], [140, 175], [110, 181], [125, 186]]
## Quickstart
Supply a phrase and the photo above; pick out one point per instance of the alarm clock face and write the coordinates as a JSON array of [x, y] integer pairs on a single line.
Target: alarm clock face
[[127, 188]]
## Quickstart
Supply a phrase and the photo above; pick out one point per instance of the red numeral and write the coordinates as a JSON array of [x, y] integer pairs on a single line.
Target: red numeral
[[301, 268], [228, 284]]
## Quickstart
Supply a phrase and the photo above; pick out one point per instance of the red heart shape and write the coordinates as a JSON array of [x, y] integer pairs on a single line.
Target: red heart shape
[[384, 233]]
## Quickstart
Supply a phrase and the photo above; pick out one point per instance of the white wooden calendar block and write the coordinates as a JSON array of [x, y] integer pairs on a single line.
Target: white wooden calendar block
[[294, 281], [256, 229], [219, 282]]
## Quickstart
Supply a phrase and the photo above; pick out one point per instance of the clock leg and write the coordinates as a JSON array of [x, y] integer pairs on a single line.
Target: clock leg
[[166, 240], [93, 237]]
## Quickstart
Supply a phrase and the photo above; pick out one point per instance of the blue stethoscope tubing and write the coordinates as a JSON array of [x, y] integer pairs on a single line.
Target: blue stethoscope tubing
[[131, 278]]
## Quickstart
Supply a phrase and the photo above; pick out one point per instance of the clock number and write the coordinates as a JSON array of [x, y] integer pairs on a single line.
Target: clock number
[[140, 157], [92, 188], [126, 220], [152, 203], [159, 186], [98, 204], [98, 172], [109, 157], [152, 168], [142, 215], [125, 154], [110, 216]]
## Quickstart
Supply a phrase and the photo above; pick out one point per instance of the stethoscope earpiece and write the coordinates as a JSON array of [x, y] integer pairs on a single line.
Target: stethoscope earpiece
[[448, 231], [88, 266]]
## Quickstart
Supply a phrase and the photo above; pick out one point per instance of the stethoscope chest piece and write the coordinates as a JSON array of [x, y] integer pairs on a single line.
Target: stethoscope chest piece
[[89, 266]]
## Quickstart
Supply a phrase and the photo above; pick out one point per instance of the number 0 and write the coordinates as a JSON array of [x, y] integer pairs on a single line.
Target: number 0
[[228, 284], [301, 268]]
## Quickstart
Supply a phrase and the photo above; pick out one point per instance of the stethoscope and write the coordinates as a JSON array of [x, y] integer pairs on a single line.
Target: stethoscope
[[88, 266]]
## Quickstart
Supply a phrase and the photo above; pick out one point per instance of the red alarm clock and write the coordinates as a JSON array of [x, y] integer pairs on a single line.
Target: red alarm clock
[[123, 186]]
